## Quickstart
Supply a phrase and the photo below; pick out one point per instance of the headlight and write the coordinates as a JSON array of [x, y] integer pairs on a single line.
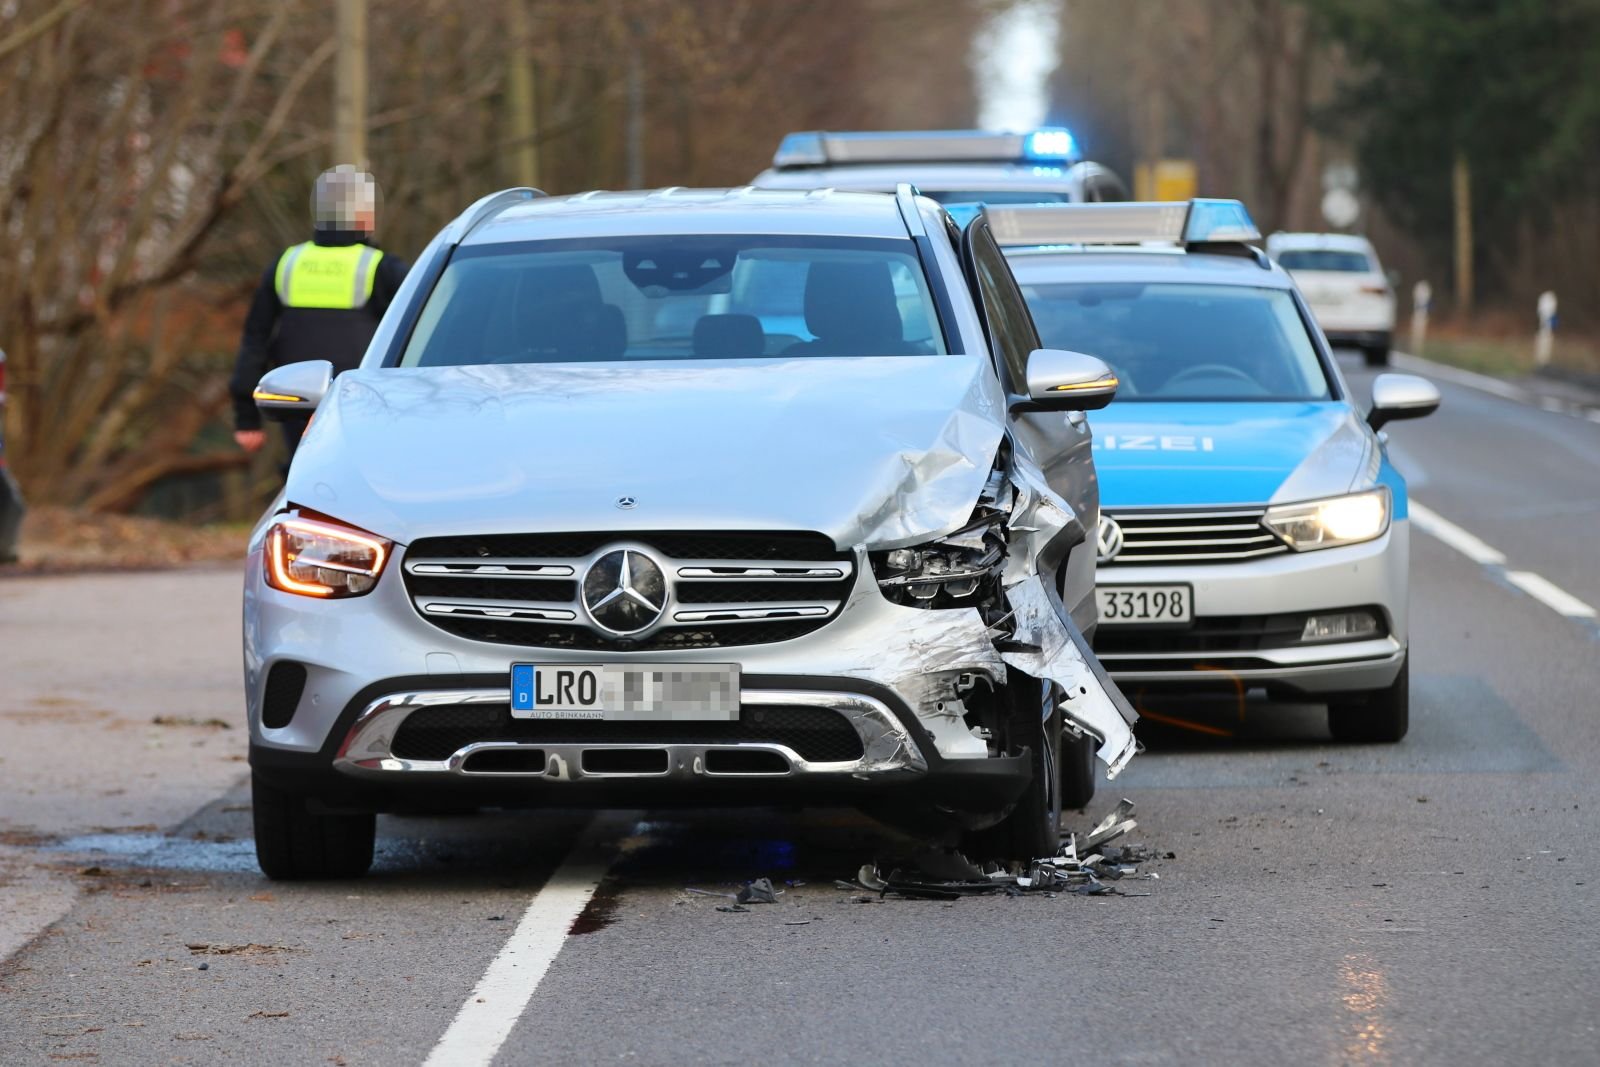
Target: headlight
[[323, 559], [1338, 520], [949, 573]]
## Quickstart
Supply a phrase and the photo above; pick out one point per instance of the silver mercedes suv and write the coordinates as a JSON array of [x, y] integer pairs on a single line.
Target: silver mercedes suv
[[685, 497]]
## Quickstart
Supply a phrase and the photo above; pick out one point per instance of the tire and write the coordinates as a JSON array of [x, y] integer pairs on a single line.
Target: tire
[[1382, 716], [1376, 356], [294, 843], [1078, 771], [1032, 828]]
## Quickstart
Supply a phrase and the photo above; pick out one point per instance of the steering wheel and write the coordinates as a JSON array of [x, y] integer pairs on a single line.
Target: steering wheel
[[1211, 370]]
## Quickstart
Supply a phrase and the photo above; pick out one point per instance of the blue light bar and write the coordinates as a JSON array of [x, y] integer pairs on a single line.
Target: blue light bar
[[1219, 220], [1174, 223], [801, 150], [1051, 143], [817, 148]]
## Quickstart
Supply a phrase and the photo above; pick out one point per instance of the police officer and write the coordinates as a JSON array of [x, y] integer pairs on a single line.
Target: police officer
[[319, 300]]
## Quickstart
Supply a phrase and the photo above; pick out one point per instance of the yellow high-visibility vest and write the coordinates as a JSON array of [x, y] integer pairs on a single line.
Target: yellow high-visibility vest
[[310, 275]]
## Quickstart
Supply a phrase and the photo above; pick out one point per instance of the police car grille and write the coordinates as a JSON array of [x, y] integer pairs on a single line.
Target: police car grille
[[820, 735], [1191, 537], [728, 589]]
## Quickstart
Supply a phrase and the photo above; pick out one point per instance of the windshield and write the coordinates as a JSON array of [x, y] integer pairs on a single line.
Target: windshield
[[677, 297], [1183, 341], [1324, 259]]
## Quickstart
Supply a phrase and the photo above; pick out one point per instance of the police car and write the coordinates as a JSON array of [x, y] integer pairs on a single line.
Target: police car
[[1253, 532], [951, 166]]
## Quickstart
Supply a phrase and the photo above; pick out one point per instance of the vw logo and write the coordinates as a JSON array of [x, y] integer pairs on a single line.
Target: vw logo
[[624, 591], [1108, 541], [627, 503]]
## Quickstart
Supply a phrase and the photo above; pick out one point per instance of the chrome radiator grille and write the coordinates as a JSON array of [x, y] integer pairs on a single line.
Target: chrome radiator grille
[[716, 589], [1178, 537]]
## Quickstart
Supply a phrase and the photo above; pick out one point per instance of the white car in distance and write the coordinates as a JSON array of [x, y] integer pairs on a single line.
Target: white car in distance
[[1345, 285]]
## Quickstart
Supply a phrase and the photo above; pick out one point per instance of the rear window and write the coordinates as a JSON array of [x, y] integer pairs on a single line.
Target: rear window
[[677, 297], [1184, 341], [1325, 259]]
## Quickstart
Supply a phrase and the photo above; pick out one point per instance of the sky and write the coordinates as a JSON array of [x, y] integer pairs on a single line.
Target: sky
[[1012, 60]]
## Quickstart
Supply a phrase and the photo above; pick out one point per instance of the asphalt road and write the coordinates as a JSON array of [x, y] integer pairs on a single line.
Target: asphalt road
[[1426, 902]]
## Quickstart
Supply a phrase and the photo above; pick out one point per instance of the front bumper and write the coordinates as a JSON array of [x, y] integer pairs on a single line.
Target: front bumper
[[1372, 575], [362, 666], [357, 768]]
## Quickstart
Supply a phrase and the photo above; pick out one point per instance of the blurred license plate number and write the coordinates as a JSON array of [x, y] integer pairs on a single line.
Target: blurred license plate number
[[642, 692], [1143, 603]]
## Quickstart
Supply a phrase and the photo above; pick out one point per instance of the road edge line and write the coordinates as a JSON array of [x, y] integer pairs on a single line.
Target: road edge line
[[499, 998]]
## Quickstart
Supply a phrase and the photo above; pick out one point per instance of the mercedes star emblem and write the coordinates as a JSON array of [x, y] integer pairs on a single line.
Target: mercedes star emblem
[[624, 591], [1108, 542], [627, 503]]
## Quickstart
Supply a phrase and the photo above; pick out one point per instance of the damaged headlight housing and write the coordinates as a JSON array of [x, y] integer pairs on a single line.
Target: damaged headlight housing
[[319, 558], [959, 570], [1338, 520]]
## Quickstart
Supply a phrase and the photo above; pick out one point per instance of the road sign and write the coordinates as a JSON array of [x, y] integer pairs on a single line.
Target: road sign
[[1341, 208]]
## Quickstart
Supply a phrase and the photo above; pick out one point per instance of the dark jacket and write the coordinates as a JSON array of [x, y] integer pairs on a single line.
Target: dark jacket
[[275, 334]]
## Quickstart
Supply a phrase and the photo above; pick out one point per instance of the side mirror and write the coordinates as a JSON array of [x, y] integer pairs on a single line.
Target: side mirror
[[293, 388], [1393, 277], [1401, 396], [1066, 381]]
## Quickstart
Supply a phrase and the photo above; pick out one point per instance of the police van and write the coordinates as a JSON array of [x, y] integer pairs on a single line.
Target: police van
[[951, 166]]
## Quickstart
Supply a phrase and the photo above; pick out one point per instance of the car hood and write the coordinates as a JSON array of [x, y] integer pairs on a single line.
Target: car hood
[[880, 451], [1209, 453]]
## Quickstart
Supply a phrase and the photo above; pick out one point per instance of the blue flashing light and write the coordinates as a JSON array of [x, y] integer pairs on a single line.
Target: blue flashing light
[[1051, 142], [1219, 220], [801, 150]]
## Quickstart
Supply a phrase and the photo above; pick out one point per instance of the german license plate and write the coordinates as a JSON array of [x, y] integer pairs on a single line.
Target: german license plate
[[1121, 604], [637, 692]]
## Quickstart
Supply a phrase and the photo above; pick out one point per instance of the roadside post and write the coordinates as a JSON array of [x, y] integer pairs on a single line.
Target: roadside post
[[1544, 340], [1421, 301]]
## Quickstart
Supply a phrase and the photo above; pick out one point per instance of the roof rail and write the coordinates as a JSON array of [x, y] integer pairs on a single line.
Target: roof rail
[[905, 198], [487, 208]]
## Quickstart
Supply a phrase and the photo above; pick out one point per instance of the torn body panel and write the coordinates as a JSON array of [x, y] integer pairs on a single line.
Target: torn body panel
[[1047, 645], [1044, 641]]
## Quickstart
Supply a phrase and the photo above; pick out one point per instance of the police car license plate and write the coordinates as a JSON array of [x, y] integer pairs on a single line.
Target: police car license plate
[[638, 692], [1123, 604]]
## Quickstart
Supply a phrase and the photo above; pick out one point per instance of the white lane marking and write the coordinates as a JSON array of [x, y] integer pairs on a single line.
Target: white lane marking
[[1540, 588], [1550, 595], [492, 1009], [1469, 545]]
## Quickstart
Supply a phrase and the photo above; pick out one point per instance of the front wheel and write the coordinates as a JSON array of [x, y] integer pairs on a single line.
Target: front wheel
[[295, 843], [1032, 828], [1376, 355], [1381, 716]]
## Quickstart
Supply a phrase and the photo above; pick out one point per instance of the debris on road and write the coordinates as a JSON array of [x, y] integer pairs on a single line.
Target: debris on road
[[755, 891], [208, 948], [268, 1015], [945, 874], [189, 720], [759, 891]]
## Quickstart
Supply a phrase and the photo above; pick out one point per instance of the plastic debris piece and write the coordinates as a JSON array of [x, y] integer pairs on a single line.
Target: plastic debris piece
[[732, 907], [869, 879], [759, 891]]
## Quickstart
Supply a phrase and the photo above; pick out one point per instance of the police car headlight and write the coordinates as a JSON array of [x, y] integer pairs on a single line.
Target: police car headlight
[[1338, 520], [316, 558]]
